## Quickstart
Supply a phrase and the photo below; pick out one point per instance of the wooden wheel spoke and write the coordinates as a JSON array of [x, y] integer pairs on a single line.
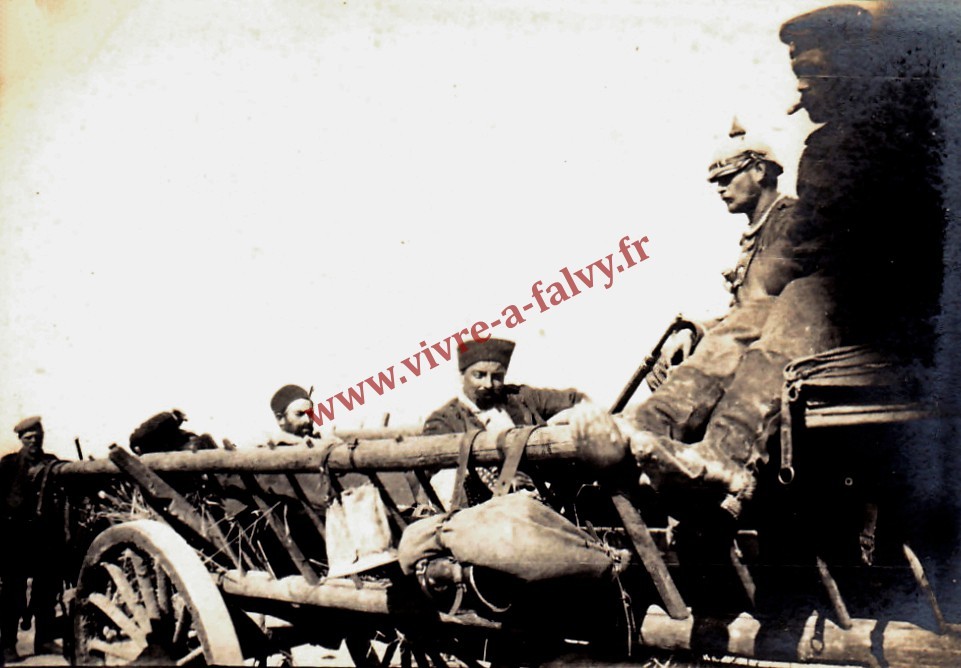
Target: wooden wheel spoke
[[181, 622], [145, 585], [127, 625], [129, 597], [145, 596], [162, 588], [126, 650]]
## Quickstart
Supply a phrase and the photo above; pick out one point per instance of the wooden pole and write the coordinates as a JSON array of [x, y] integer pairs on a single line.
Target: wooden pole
[[341, 594], [394, 454], [651, 557]]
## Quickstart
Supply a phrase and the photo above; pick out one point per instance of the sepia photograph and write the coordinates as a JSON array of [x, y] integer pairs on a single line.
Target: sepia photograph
[[509, 333]]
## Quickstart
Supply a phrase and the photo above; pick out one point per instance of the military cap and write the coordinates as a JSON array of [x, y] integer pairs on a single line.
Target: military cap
[[825, 28], [286, 395], [737, 152], [491, 350], [28, 424]]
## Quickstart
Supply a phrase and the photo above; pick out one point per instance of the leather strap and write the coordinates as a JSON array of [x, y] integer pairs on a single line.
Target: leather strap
[[463, 457], [334, 484], [514, 442]]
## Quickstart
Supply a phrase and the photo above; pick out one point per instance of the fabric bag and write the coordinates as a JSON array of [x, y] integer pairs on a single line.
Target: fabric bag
[[514, 534]]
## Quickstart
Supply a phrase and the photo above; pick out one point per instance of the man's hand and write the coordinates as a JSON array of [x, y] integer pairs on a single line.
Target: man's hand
[[591, 424], [675, 350], [597, 435]]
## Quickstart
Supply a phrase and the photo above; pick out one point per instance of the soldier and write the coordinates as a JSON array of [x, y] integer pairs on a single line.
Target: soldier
[[868, 180], [745, 172], [708, 422], [27, 552], [486, 402], [842, 212]]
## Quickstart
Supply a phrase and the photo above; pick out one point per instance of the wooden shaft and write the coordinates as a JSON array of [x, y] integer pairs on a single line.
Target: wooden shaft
[[651, 557], [437, 451], [341, 594], [834, 594]]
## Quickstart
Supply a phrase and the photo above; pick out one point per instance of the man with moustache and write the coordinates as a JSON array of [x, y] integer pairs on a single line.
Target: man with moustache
[[486, 402], [28, 552], [291, 405]]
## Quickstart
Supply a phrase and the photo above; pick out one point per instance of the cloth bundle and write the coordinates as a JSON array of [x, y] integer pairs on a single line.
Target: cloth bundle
[[514, 534]]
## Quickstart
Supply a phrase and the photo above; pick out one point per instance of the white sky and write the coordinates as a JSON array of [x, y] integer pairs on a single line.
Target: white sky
[[201, 203]]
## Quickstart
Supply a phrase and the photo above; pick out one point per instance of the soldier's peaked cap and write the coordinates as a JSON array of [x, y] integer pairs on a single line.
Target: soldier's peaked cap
[[285, 395], [491, 350], [28, 424], [826, 27]]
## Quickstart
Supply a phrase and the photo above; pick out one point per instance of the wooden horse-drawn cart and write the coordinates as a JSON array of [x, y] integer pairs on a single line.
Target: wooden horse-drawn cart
[[218, 556]]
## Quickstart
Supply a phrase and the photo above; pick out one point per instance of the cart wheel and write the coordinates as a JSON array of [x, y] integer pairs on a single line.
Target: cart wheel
[[145, 597]]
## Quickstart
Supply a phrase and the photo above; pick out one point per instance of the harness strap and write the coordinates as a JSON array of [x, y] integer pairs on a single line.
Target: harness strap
[[463, 457], [514, 442], [336, 489]]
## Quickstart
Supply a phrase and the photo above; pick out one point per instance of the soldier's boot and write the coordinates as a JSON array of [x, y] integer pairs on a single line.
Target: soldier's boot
[[680, 406]]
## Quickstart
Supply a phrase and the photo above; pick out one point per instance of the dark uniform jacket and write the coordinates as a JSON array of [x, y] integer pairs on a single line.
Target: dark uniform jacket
[[20, 522], [19, 485], [529, 406]]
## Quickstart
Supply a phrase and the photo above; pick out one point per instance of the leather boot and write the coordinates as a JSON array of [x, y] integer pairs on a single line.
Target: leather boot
[[681, 406]]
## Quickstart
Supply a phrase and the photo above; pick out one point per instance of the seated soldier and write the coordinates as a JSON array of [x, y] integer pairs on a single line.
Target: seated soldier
[[745, 172], [701, 435], [486, 402], [717, 399]]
